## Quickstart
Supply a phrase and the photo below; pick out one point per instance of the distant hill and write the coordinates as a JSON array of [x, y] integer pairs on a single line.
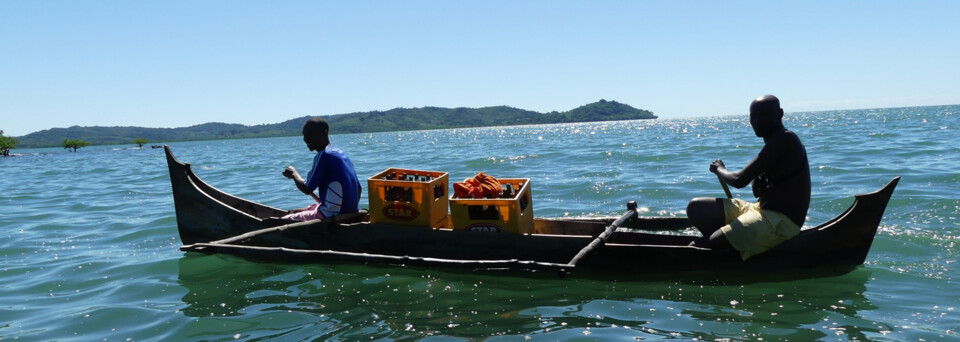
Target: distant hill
[[398, 119]]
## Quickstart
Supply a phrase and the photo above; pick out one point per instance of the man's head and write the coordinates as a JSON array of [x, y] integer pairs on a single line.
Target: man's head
[[766, 115], [315, 133]]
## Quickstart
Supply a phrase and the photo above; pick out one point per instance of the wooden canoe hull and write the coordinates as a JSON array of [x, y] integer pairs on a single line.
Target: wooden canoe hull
[[206, 216]]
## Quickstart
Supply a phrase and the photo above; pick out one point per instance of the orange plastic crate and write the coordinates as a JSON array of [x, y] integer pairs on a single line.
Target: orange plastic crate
[[413, 200], [499, 215]]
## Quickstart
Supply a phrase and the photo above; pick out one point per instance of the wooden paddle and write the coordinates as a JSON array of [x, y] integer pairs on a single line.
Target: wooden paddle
[[602, 238], [726, 189]]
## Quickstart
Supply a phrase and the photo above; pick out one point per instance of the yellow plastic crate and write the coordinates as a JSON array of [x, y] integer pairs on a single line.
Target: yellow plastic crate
[[499, 215], [418, 198]]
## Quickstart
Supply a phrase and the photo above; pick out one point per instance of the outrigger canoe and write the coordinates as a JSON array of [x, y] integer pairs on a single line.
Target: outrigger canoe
[[212, 221]]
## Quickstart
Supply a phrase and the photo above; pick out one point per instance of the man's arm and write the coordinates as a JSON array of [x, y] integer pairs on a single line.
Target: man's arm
[[737, 179], [291, 172], [742, 178]]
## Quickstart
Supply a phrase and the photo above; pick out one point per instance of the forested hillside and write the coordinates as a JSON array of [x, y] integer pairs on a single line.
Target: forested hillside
[[398, 119]]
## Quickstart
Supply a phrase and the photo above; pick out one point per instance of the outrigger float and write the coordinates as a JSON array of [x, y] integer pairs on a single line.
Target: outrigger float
[[212, 221]]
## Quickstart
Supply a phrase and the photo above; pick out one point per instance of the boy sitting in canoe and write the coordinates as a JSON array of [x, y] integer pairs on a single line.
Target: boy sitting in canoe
[[332, 173], [781, 182]]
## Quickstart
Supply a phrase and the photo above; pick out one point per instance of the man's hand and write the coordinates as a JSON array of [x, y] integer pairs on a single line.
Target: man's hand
[[717, 164], [290, 172]]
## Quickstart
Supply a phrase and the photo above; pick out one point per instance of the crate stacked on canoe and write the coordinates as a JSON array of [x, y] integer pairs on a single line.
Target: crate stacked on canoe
[[409, 197], [511, 212]]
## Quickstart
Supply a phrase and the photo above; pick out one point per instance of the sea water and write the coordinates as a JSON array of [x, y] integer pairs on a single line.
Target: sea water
[[89, 243]]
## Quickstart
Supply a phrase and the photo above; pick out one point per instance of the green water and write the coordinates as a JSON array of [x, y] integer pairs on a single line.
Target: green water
[[90, 247]]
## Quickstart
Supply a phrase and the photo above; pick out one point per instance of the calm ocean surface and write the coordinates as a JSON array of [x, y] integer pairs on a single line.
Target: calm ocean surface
[[89, 243]]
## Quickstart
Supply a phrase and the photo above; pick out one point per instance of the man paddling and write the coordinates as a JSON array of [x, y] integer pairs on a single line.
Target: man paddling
[[332, 173], [780, 175]]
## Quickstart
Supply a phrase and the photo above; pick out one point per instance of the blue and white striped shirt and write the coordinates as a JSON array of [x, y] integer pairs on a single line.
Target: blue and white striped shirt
[[337, 181]]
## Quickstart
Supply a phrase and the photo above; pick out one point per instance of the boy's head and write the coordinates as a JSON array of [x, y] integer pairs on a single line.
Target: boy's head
[[315, 134]]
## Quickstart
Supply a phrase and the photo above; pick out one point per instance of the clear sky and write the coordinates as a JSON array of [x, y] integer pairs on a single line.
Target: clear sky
[[181, 63]]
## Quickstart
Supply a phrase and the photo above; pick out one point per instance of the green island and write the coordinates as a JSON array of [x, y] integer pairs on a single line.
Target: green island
[[397, 119]]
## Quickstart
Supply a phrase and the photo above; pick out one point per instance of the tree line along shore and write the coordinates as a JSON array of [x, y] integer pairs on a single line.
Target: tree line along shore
[[398, 119]]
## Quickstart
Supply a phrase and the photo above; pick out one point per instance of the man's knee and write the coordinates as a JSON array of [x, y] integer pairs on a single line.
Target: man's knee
[[698, 206], [705, 208], [706, 214]]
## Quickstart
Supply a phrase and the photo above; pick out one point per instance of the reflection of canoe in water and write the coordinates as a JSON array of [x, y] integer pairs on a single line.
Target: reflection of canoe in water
[[212, 221]]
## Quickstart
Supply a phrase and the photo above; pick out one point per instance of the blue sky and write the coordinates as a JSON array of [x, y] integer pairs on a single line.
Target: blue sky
[[181, 63]]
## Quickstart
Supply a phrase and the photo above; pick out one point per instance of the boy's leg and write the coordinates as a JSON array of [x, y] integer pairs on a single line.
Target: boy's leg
[[311, 212]]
